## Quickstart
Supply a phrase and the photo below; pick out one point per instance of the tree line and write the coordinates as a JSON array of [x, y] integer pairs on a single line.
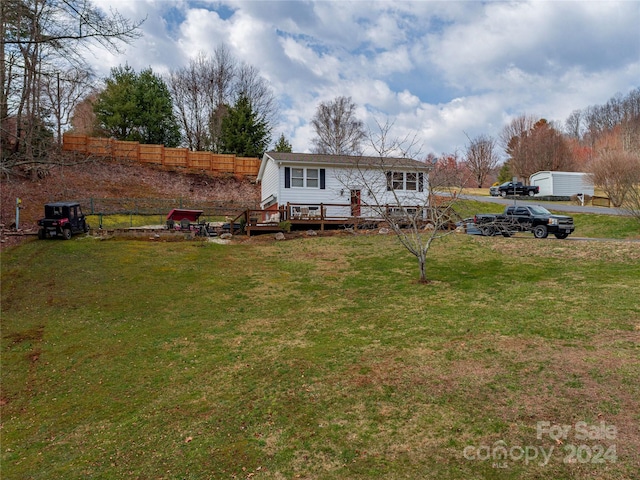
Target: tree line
[[216, 103]]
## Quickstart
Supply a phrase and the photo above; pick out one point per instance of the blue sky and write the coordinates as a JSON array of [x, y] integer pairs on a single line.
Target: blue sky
[[441, 70]]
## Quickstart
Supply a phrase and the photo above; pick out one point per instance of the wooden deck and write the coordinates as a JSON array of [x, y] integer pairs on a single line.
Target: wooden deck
[[314, 217]]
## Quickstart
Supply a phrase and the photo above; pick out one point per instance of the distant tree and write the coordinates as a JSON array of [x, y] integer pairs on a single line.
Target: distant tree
[[505, 174], [616, 169], [203, 90], [283, 145], [62, 92], [338, 130], [481, 157], [156, 122], [449, 170], [533, 146], [136, 107], [83, 119], [116, 107], [42, 40], [242, 132]]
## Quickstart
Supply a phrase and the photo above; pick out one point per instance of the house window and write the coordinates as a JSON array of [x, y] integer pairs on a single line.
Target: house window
[[305, 177], [297, 177], [412, 181], [405, 181], [398, 180], [312, 177]]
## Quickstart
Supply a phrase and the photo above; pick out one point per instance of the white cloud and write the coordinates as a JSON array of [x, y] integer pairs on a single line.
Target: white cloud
[[441, 69]]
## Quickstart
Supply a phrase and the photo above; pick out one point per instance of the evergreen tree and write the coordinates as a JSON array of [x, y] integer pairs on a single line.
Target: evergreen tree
[[137, 107], [283, 145], [156, 122], [242, 132]]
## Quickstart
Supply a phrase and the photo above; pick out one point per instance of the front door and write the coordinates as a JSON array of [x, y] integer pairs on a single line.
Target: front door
[[355, 203]]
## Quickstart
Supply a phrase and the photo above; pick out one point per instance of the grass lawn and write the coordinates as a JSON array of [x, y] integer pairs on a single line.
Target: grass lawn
[[320, 358]]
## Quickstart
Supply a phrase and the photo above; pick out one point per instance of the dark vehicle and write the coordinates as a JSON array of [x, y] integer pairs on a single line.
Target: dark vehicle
[[518, 188], [528, 218], [62, 219]]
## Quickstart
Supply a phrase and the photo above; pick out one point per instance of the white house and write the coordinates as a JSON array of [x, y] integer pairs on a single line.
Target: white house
[[562, 183], [343, 186]]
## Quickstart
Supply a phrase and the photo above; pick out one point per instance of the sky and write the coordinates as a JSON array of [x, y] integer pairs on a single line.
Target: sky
[[443, 72]]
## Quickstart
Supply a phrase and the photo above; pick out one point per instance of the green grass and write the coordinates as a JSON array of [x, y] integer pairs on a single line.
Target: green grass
[[317, 357], [606, 226]]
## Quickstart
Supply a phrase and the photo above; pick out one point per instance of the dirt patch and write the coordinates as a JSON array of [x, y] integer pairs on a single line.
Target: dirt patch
[[33, 334]]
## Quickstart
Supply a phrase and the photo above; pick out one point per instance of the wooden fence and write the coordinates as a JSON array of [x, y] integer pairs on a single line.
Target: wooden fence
[[219, 164]]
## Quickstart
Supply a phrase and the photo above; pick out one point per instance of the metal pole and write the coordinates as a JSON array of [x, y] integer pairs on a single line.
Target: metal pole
[[18, 202]]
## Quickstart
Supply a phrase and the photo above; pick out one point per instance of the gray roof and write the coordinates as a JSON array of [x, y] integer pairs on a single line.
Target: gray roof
[[347, 160]]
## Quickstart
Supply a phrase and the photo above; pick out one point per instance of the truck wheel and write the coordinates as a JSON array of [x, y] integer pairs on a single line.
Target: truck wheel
[[561, 236], [504, 194], [506, 233], [488, 231], [66, 233], [41, 234], [531, 193], [540, 231]]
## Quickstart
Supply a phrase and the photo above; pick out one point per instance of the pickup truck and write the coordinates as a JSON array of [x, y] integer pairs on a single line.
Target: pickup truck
[[509, 188], [525, 218]]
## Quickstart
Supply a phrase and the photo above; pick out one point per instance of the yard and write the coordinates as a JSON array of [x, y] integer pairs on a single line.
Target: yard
[[320, 358]]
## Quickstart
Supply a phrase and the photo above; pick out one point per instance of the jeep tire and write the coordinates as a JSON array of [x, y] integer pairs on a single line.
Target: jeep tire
[[66, 234]]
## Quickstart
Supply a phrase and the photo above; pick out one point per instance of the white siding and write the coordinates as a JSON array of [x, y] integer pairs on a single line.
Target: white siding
[[338, 185], [269, 184], [562, 183]]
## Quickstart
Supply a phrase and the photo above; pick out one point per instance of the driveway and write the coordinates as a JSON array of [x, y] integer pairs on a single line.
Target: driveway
[[549, 205]]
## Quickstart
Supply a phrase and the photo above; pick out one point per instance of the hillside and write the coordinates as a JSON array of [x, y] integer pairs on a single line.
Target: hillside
[[115, 179]]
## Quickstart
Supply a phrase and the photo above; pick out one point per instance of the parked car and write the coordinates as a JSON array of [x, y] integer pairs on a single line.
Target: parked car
[[526, 218], [62, 219], [518, 188], [494, 191]]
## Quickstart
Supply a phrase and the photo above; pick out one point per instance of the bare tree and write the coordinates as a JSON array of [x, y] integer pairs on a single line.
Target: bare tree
[[535, 145], [617, 173], [251, 84], [399, 191], [338, 130], [204, 90], [481, 157], [512, 140], [188, 87], [62, 93], [40, 38]]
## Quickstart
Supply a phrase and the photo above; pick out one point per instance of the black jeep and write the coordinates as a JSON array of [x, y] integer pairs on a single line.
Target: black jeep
[[62, 219]]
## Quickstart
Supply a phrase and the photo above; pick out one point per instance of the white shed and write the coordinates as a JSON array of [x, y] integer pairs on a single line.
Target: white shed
[[563, 184]]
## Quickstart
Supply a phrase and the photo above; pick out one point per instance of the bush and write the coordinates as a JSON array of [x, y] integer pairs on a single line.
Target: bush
[[285, 225]]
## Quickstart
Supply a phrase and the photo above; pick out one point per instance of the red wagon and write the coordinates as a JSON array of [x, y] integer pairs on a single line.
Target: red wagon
[[183, 218]]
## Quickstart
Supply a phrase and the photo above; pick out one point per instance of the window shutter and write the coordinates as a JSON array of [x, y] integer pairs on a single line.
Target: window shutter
[[420, 181], [389, 180], [322, 179], [287, 177]]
